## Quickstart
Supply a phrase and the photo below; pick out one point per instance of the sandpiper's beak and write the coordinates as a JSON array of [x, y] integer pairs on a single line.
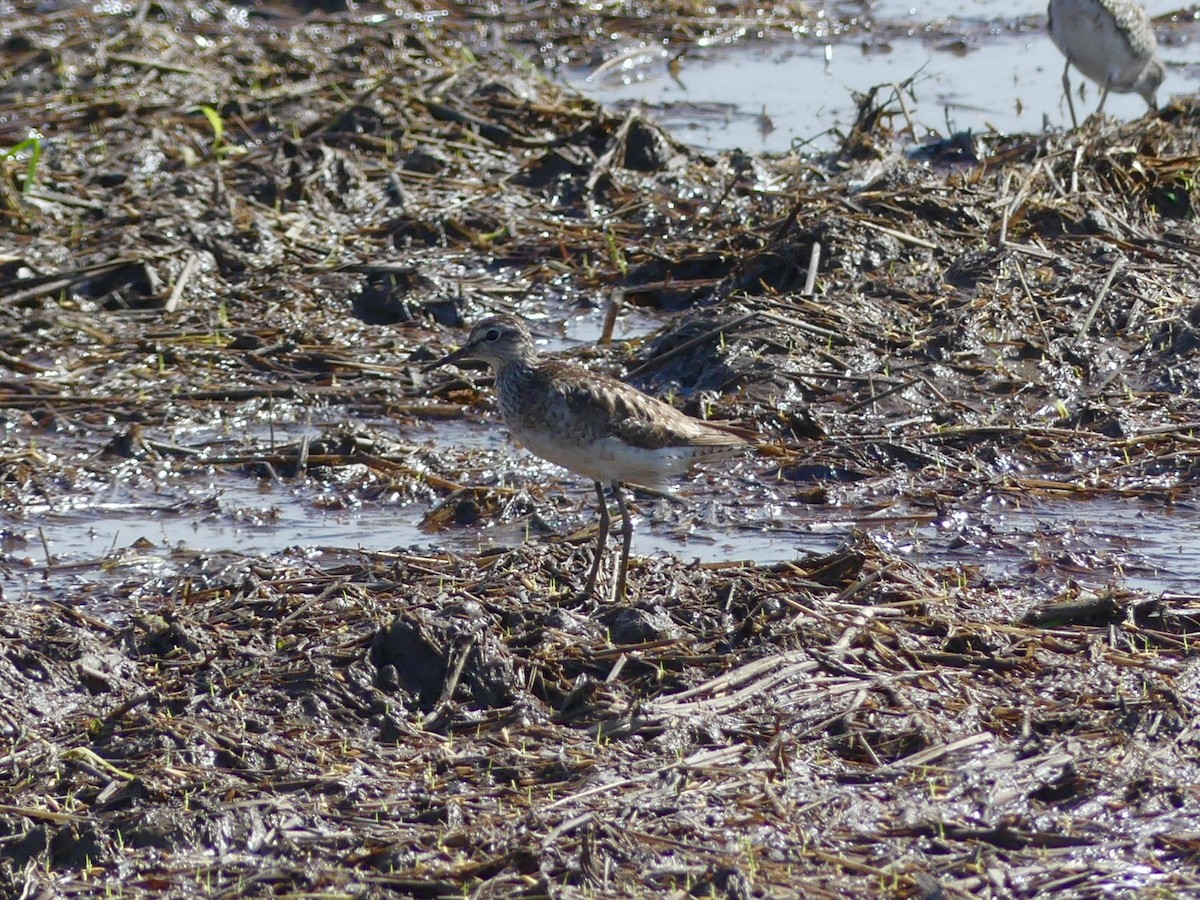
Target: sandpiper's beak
[[462, 352]]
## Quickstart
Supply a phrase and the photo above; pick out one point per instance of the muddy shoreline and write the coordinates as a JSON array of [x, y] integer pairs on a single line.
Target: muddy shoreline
[[243, 231]]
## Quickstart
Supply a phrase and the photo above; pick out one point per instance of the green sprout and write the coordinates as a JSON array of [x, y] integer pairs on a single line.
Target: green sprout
[[220, 146], [32, 146]]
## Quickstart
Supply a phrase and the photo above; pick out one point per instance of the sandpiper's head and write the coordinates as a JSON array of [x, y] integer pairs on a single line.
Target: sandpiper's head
[[496, 340], [1149, 82]]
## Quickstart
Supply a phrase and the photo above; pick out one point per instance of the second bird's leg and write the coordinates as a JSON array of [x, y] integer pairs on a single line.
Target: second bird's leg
[[589, 586], [626, 542], [1067, 92], [1104, 95]]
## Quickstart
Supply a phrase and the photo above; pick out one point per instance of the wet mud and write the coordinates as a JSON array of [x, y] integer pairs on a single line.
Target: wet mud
[[232, 237]]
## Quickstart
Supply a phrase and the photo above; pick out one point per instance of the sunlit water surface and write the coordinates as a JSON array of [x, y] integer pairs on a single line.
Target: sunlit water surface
[[984, 68]]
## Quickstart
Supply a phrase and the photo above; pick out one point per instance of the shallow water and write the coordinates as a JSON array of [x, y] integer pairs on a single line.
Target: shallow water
[[716, 517], [569, 329], [972, 73]]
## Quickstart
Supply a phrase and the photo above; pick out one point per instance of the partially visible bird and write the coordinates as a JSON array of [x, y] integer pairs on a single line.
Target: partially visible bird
[[589, 424], [1112, 43]]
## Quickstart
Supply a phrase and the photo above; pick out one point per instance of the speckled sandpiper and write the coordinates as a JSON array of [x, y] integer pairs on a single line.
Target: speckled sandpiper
[[1109, 41], [589, 424]]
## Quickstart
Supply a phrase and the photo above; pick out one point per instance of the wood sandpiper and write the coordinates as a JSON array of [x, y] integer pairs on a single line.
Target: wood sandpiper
[[1109, 41], [589, 424]]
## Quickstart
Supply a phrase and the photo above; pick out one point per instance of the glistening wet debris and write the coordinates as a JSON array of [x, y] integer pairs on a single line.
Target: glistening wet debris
[[246, 229]]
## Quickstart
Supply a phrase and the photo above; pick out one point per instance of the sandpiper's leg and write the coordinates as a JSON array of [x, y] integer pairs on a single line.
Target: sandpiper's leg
[[590, 585], [626, 542], [1067, 91]]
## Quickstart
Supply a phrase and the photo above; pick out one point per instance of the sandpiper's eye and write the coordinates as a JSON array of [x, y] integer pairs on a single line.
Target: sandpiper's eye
[[493, 334]]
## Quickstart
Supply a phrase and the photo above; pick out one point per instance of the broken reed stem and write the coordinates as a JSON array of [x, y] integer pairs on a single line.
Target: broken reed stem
[[1032, 304], [814, 260], [1117, 264], [610, 317], [181, 283]]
